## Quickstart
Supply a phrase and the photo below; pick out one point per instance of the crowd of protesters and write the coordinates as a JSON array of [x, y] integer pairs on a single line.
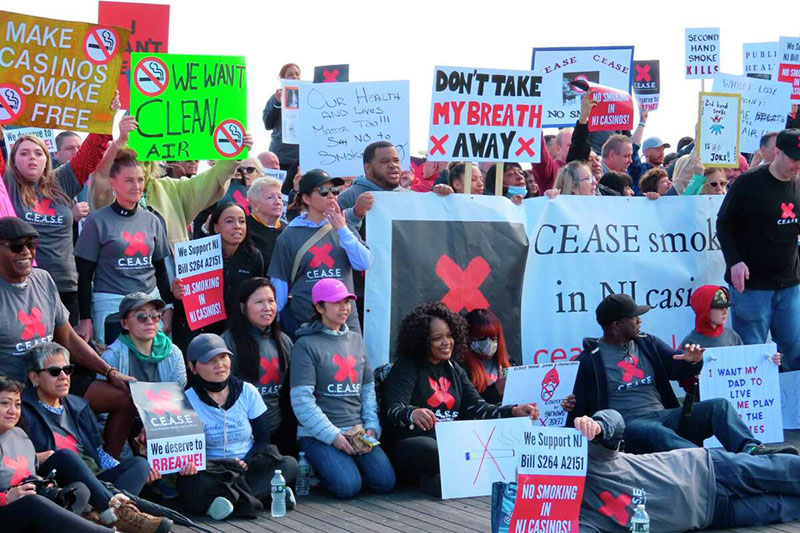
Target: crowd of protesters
[[86, 311]]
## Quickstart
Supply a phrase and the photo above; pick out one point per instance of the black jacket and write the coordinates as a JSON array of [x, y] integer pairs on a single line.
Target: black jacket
[[591, 384]]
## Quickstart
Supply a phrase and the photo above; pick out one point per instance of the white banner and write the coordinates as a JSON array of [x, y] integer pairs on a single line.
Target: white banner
[[748, 379], [702, 52], [788, 65], [765, 105], [542, 267], [339, 120], [485, 115], [790, 399], [605, 65], [11, 134], [759, 60]]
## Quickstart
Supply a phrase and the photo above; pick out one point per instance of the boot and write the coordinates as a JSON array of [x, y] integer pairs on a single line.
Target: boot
[[132, 520]]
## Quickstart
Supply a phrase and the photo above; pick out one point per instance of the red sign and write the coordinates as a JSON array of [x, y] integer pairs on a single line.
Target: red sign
[[790, 74], [198, 264], [614, 110], [547, 503], [149, 24]]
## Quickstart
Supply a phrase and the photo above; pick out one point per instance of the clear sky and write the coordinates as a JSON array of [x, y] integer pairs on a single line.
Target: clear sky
[[405, 40]]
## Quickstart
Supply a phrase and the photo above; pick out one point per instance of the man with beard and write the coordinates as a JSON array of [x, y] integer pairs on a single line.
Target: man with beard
[[653, 150], [630, 371]]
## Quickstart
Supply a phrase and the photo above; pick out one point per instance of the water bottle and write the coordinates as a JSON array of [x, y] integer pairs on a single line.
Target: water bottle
[[507, 507], [302, 478], [278, 495], [640, 520]]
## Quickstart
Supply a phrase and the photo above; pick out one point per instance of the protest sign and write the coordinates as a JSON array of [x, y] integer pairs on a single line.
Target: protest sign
[[149, 25], [473, 454], [552, 474], [485, 115], [647, 83], [610, 66], [702, 52], [290, 111], [198, 264], [11, 134], [748, 379], [339, 120], [332, 74], [58, 74], [790, 399], [545, 385], [174, 432], [542, 268], [278, 174], [765, 105], [719, 128], [614, 109], [759, 60], [188, 106], [788, 63]]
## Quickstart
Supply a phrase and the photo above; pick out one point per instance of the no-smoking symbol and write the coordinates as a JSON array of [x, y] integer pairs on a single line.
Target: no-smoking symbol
[[151, 76], [12, 102], [229, 137], [100, 45]]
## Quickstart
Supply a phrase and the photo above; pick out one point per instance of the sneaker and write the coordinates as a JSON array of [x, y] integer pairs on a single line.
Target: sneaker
[[132, 520], [220, 508], [291, 501], [760, 449]]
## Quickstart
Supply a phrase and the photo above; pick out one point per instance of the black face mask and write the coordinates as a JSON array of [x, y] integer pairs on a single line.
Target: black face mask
[[210, 386]]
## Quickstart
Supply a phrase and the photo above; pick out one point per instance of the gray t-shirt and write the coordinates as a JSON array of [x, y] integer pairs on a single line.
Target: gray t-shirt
[[53, 221], [631, 381], [30, 314], [17, 458], [142, 370], [336, 366], [727, 338], [124, 248], [64, 431]]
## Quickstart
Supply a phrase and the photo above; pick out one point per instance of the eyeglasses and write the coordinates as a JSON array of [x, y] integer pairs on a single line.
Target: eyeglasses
[[717, 184], [56, 371], [324, 191], [17, 247], [143, 317], [246, 170]]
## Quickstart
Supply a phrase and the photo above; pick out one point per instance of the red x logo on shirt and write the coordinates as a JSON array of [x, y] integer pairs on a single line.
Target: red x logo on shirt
[[270, 372], [32, 323], [65, 442], [615, 508], [43, 207], [322, 255], [346, 368], [20, 466], [162, 402], [465, 284], [642, 73], [441, 394], [788, 210], [135, 243], [630, 368]]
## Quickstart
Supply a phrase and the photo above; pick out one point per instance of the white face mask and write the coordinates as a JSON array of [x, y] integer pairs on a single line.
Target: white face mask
[[484, 347]]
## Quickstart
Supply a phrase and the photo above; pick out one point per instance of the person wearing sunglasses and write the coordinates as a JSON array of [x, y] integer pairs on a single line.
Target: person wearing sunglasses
[[66, 435], [318, 244], [711, 181], [143, 350]]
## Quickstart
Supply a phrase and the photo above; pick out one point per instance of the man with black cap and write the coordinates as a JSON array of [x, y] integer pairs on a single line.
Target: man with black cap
[[317, 244], [630, 371], [758, 230]]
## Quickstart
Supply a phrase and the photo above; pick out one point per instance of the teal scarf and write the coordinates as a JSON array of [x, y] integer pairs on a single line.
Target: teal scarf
[[162, 347]]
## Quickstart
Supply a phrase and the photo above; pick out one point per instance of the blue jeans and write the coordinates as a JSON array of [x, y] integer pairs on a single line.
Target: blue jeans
[[344, 474], [658, 432], [130, 475], [758, 313], [755, 490]]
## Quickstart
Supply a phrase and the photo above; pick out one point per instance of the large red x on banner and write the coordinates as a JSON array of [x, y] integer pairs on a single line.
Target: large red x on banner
[[161, 402], [464, 284], [615, 508], [330, 76], [642, 72], [438, 144]]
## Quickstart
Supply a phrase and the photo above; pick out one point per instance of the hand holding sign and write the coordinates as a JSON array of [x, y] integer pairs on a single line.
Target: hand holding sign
[[588, 102], [588, 426], [530, 410]]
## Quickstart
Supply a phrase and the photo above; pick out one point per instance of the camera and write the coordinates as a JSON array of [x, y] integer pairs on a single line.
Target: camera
[[46, 487]]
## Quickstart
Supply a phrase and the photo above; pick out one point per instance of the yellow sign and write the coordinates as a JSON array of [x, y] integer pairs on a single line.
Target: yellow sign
[[58, 74]]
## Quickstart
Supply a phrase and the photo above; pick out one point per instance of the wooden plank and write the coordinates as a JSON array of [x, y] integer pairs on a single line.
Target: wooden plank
[[364, 513], [454, 516], [464, 507], [336, 514], [416, 522], [408, 513]]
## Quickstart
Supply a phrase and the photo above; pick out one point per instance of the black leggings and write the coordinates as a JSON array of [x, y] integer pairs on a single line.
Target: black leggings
[[414, 457], [37, 513], [71, 468], [70, 301]]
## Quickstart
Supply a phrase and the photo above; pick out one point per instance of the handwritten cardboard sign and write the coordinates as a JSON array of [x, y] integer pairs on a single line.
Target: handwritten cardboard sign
[[647, 83], [552, 474], [149, 25], [339, 120], [765, 105], [789, 64], [611, 66], [485, 115], [332, 74], [58, 74], [188, 106], [746, 377], [719, 126], [759, 60], [702, 52], [546, 385], [174, 432], [198, 264]]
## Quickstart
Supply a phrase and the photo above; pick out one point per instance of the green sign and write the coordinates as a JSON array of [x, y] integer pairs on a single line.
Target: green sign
[[188, 106]]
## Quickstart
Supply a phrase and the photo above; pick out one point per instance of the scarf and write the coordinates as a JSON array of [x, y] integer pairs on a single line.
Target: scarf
[[162, 347]]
